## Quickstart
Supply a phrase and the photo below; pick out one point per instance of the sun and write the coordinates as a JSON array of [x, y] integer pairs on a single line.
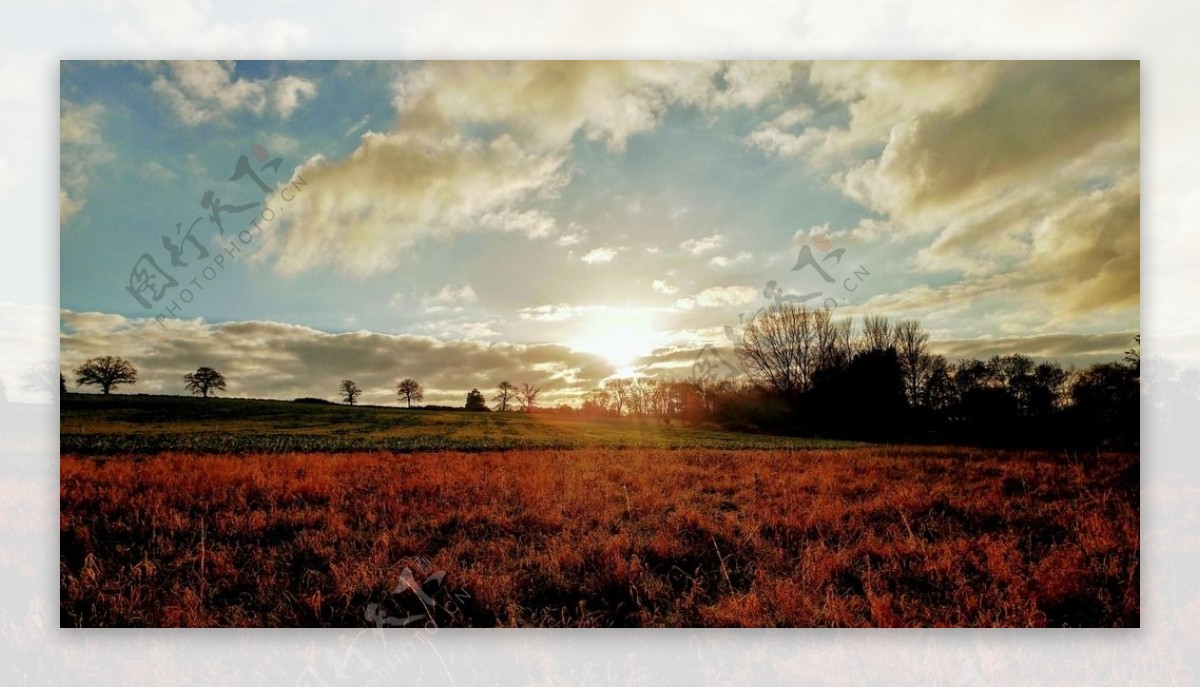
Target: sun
[[621, 338]]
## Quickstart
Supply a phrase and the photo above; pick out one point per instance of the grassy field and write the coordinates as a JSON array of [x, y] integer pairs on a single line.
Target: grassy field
[[146, 424], [590, 524]]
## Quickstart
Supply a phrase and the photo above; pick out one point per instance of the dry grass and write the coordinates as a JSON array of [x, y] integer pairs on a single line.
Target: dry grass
[[854, 537]]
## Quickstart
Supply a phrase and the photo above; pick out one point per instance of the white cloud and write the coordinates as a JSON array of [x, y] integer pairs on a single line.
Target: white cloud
[[703, 244], [82, 151], [727, 261], [599, 255], [532, 223], [360, 213], [717, 297], [202, 91], [291, 92], [662, 287], [448, 298], [556, 312]]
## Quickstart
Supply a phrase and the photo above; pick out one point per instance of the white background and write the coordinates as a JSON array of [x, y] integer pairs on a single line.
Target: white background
[[1165, 36]]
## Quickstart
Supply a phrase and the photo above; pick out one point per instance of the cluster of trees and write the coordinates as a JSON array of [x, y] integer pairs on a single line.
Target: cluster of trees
[[808, 374], [109, 372]]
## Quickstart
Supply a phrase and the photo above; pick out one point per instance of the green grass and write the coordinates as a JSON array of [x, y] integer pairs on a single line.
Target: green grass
[[148, 424]]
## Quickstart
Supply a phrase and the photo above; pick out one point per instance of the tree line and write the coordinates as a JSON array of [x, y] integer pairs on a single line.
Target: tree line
[[110, 372], [809, 374]]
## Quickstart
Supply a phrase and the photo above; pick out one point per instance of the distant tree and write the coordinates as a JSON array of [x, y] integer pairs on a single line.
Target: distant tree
[[349, 391], [596, 402], [39, 378], [938, 392], [106, 372], [1105, 402], [527, 395], [915, 362], [505, 395], [62, 384], [779, 350], [204, 381], [618, 394], [410, 390], [476, 401]]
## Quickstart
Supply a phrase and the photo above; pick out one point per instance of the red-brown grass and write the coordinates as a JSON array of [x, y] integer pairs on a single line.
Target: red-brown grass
[[914, 536]]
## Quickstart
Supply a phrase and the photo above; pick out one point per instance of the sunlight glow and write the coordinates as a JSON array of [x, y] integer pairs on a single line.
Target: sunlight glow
[[620, 337]]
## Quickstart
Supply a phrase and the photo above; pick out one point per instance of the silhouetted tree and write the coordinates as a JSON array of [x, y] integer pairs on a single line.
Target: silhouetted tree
[[106, 372], [204, 381], [938, 394], [410, 390], [1105, 404], [779, 350], [476, 401], [505, 393], [877, 334], [62, 384], [618, 394], [911, 349], [527, 395], [349, 391]]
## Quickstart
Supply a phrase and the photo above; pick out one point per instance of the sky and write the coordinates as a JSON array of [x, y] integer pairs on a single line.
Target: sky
[[561, 222]]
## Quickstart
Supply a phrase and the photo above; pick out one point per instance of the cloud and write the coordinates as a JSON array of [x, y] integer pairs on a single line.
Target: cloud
[[1021, 174], [450, 296], [291, 92], [703, 244], [532, 223], [662, 287], [599, 255], [717, 297], [726, 261], [282, 361], [159, 27], [477, 146], [1036, 118], [81, 151], [556, 312], [200, 91], [570, 239], [361, 213], [1068, 349], [545, 103], [878, 96]]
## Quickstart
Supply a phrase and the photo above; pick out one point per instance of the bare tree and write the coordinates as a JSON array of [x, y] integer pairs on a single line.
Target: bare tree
[[527, 395], [349, 391], [618, 392], [506, 392], [915, 362], [106, 372], [877, 334], [779, 349], [204, 381], [598, 401], [410, 390]]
